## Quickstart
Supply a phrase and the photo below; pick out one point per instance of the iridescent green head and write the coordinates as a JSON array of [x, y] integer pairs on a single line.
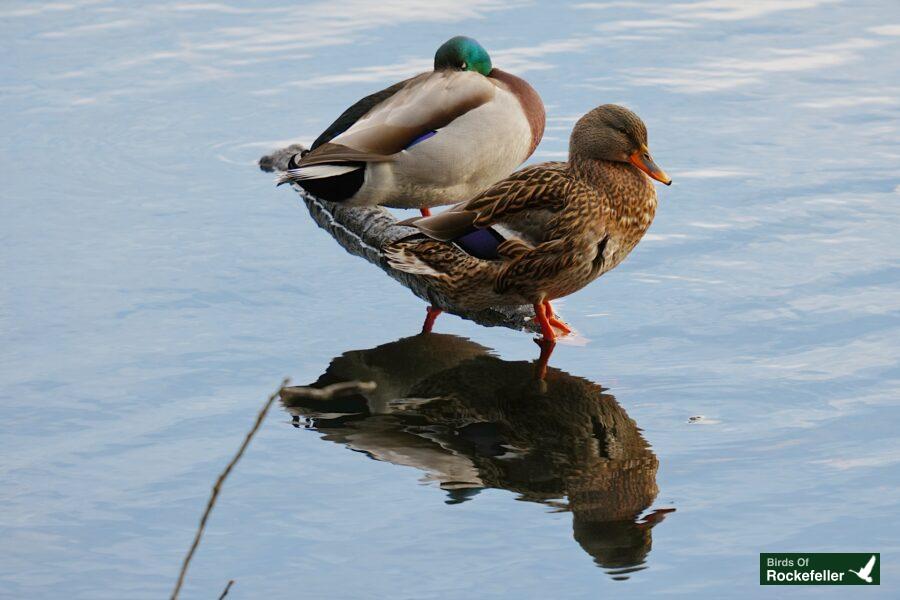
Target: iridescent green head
[[463, 54]]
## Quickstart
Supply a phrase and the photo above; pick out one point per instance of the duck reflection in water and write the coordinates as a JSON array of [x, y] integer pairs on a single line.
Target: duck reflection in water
[[471, 421]]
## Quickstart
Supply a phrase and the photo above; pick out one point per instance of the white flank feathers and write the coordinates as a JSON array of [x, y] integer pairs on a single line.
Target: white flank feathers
[[315, 172], [400, 259]]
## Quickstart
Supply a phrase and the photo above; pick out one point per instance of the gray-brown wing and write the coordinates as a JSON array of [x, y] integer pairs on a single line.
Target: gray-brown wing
[[427, 103], [545, 186], [356, 112], [542, 187]]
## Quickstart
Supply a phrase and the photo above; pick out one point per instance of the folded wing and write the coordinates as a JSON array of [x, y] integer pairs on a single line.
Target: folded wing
[[540, 187]]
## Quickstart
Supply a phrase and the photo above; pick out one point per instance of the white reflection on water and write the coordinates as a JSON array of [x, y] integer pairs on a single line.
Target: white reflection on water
[[715, 173], [852, 102], [32, 9], [89, 29], [726, 74], [867, 457], [249, 36], [886, 29], [519, 60], [712, 10], [331, 23]]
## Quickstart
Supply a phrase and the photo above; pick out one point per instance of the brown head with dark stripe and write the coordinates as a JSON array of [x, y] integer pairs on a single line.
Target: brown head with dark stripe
[[614, 133]]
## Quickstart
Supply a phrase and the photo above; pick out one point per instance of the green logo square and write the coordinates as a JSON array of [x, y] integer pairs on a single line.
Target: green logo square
[[820, 568]]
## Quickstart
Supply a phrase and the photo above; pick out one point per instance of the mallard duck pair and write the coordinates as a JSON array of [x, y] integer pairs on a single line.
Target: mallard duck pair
[[451, 136]]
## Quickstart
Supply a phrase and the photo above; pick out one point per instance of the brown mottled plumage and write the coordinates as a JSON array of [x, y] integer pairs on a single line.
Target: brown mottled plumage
[[565, 224]]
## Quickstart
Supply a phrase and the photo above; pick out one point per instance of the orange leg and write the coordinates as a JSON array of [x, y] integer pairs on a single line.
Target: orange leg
[[540, 367], [426, 212], [540, 314], [551, 316], [432, 313]]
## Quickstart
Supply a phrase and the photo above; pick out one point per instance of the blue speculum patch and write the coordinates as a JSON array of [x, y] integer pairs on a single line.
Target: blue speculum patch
[[481, 243], [421, 138]]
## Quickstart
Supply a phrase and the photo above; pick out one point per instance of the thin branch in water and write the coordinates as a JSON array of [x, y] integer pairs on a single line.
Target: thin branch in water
[[331, 391], [227, 587], [218, 486]]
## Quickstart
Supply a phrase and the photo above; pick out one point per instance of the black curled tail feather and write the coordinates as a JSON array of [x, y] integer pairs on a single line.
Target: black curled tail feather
[[336, 188]]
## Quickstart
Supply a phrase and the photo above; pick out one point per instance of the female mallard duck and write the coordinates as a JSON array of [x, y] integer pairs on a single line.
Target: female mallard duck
[[437, 138], [546, 231]]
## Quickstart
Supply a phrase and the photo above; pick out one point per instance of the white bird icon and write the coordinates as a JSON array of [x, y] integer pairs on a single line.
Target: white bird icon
[[865, 572]]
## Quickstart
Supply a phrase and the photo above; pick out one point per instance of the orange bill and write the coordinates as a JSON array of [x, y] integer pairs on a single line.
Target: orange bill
[[643, 161]]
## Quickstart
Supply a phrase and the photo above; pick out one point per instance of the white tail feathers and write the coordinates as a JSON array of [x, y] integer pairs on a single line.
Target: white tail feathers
[[314, 172], [401, 259]]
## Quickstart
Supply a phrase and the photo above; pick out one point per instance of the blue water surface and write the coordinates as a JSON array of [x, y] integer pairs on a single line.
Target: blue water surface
[[155, 287]]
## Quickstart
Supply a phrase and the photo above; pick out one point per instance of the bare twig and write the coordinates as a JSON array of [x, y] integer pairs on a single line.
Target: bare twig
[[218, 486], [364, 231], [325, 393], [227, 587]]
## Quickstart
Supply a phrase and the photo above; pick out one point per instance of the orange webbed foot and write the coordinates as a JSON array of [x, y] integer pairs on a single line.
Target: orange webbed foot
[[540, 313], [426, 212], [551, 317], [560, 325]]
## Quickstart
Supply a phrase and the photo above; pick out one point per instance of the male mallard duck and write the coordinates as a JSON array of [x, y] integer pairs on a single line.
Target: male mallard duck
[[546, 231], [437, 138]]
